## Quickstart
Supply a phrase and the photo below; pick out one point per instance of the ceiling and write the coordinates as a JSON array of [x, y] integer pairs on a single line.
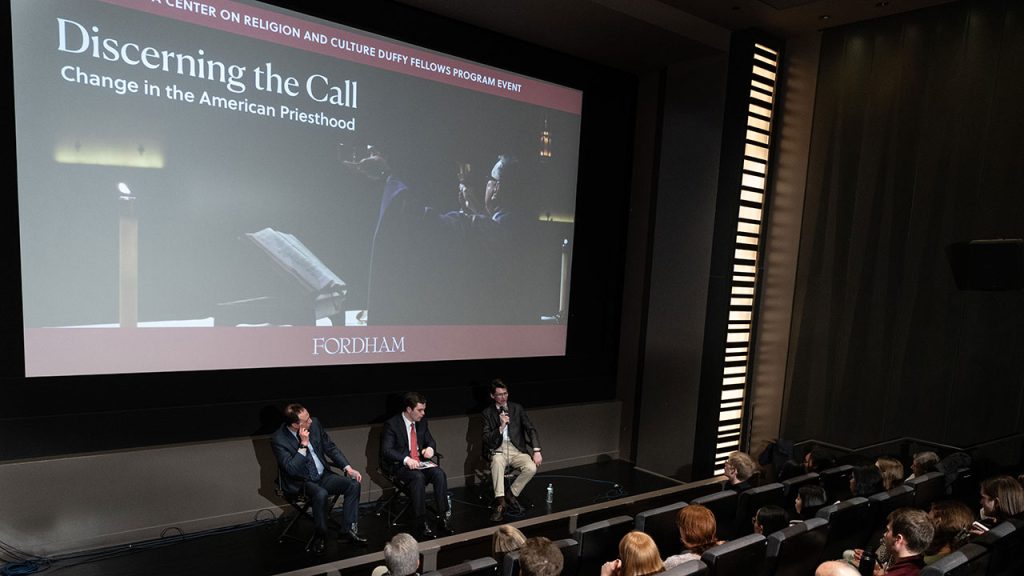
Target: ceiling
[[638, 35]]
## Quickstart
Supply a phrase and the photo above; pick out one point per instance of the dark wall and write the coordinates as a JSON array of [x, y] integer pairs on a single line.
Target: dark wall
[[47, 416], [916, 145]]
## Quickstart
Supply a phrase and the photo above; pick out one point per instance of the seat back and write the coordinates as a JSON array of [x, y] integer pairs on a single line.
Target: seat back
[[794, 551], [741, 557], [485, 566], [660, 525], [723, 506], [965, 487], [928, 488], [885, 502], [749, 501], [691, 568], [970, 560], [599, 542], [849, 525], [836, 482], [1005, 544], [882, 504], [792, 485], [570, 556]]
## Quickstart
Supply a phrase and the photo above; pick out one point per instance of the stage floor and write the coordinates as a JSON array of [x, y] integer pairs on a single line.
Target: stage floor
[[254, 549]]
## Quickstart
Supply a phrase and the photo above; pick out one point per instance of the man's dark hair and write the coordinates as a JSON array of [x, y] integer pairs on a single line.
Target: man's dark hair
[[497, 383], [291, 413], [867, 480], [915, 526], [539, 557], [411, 399], [821, 460]]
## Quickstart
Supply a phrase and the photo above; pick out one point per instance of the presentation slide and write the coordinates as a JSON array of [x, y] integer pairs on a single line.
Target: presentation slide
[[223, 184]]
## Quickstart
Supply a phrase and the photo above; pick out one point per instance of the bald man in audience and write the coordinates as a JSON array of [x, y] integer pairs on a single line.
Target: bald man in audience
[[836, 568]]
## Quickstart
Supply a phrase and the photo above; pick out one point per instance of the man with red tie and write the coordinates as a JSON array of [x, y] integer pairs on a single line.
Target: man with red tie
[[406, 449]]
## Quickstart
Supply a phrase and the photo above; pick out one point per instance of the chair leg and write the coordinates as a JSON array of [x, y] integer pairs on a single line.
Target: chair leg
[[301, 510]]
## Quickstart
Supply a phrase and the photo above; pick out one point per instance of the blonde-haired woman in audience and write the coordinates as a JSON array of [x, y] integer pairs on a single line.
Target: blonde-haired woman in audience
[[638, 556], [697, 532], [506, 538], [891, 470]]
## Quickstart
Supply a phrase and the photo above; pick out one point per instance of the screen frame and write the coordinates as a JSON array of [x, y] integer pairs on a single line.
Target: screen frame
[[45, 416]]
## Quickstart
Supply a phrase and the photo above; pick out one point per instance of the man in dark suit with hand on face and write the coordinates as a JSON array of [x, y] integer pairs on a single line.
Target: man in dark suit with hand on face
[[302, 448]]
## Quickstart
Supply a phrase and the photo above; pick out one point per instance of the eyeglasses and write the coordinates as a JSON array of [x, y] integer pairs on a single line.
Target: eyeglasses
[[500, 394]]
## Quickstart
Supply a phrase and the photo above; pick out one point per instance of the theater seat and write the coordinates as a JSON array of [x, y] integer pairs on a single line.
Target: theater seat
[[599, 542], [970, 560], [794, 550], [836, 482], [660, 525], [928, 488], [570, 555], [741, 557], [885, 502], [485, 566], [1005, 544], [749, 501], [723, 506], [691, 568], [792, 485], [849, 525]]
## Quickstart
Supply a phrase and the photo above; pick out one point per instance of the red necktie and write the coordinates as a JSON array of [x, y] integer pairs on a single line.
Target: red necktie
[[414, 452]]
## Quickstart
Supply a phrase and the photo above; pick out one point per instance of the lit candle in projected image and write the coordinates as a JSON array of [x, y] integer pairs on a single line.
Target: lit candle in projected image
[[563, 289], [128, 259]]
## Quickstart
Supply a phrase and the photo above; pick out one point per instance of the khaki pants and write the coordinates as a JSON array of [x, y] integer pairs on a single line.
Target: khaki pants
[[509, 455]]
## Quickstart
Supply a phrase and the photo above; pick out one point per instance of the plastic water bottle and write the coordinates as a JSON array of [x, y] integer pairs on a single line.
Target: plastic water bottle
[[551, 494], [448, 512]]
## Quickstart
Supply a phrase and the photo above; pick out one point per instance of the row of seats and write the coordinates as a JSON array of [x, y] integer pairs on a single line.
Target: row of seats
[[795, 550], [734, 512]]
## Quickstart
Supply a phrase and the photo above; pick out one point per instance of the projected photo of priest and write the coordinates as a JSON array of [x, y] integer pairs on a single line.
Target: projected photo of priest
[[466, 266]]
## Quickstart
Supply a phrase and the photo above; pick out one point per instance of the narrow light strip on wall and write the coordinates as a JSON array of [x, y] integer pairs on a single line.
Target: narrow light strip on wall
[[753, 181]]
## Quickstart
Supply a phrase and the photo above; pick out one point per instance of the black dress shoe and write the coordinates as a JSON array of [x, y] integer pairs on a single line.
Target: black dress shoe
[[425, 533], [318, 546], [352, 535], [446, 526], [499, 512], [513, 504]]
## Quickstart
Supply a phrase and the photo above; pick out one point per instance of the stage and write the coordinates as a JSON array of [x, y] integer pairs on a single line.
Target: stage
[[582, 494]]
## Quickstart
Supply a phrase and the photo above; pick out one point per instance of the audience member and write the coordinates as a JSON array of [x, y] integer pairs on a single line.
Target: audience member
[[817, 460], [836, 568], [809, 499], [506, 538], [952, 520], [638, 556], [770, 519], [739, 468], [865, 481], [790, 469], [402, 555], [891, 470], [908, 534], [1002, 497], [697, 533], [539, 557], [923, 463]]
